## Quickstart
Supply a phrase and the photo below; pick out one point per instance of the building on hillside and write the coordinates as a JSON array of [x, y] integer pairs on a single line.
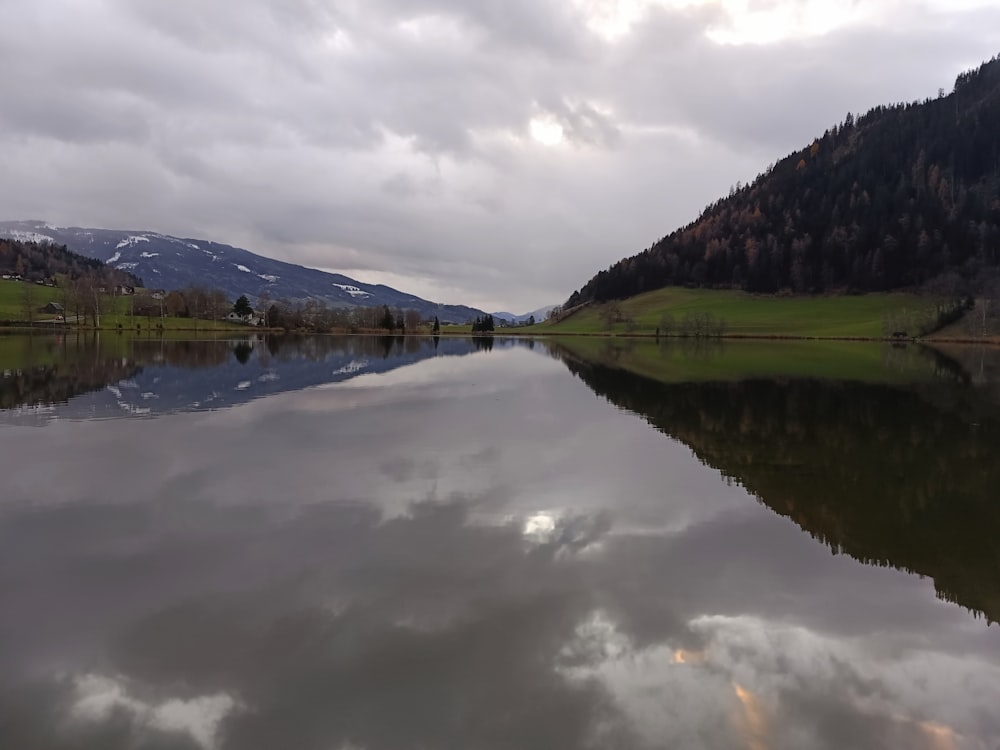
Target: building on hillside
[[253, 319], [53, 308]]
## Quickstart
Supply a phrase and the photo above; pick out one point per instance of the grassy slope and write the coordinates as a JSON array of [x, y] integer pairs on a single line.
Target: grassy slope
[[12, 299], [845, 316], [114, 310]]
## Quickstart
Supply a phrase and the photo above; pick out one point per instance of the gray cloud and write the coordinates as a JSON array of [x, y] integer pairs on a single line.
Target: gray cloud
[[392, 139]]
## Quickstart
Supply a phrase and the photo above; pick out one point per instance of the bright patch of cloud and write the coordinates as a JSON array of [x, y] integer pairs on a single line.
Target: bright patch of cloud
[[540, 527], [97, 697], [752, 22], [741, 21], [546, 131]]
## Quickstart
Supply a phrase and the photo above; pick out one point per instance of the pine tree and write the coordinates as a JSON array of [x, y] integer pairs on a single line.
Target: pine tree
[[242, 307], [387, 322]]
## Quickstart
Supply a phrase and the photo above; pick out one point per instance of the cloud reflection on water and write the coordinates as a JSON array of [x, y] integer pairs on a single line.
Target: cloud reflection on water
[[400, 563]]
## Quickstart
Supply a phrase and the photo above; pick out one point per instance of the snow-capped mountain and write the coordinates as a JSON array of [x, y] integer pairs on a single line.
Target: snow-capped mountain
[[166, 262]]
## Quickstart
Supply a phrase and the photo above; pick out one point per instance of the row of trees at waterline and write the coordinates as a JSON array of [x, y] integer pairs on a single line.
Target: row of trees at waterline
[[317, 316], [484, 324], [88, 302], [891, 199]]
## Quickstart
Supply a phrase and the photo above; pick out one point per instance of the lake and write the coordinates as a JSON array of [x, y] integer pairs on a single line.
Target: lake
[[362, 544]]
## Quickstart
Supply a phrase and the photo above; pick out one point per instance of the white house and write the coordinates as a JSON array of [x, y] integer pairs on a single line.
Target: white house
[[253, 319]]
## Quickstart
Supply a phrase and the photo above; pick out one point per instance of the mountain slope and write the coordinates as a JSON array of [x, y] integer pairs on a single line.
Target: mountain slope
[[513, 319], [895, 198], [167, 262]]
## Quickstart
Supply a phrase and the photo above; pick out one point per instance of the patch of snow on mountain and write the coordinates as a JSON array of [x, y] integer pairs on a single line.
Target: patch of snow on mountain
[[138, 411], [148, 255], [244, 269], [353, 290], [114, 258], [129, 241], [268, 277], [353, 366], [177, 241], [126, 266], [17, 234]]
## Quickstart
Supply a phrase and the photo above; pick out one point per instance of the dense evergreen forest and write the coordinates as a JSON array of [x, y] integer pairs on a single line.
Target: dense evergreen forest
[[904, 196], [42, 261]]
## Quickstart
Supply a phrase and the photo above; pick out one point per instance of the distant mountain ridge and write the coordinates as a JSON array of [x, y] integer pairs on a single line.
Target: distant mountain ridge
[[167, 262], [513, 319], [895, 198]]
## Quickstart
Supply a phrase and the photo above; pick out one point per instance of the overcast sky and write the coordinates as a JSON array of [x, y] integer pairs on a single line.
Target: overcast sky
[[488, 152]]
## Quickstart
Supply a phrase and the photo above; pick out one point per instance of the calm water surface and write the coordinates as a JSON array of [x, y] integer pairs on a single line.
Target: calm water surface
[[360, 544]]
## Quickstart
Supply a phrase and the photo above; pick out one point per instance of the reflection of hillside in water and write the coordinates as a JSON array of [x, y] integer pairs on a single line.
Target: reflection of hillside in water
[[59, 382], [904, 476], [130, 376]]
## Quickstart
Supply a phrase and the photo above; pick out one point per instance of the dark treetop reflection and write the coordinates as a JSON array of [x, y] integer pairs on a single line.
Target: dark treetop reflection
[[475, 552], [891, 475]]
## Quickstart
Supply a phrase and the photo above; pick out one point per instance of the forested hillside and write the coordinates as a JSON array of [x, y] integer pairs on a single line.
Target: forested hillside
[[901, 196], [43, 261]]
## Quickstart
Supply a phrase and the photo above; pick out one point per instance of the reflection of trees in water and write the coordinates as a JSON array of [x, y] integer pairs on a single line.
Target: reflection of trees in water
[[189, 354], [47, 370], [914, 360], [891, 476], [319, 348], [42, 370], [982, 363], [699, 347], [58, 383], [242, 352]]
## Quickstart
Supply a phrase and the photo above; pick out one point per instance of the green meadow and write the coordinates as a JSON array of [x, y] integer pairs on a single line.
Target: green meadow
[[12, 294], [844, 316]]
